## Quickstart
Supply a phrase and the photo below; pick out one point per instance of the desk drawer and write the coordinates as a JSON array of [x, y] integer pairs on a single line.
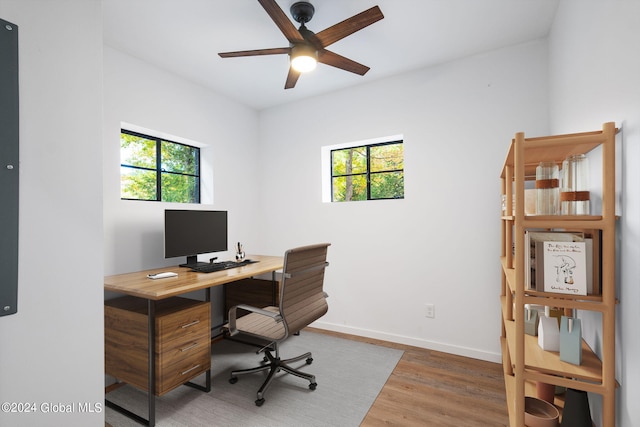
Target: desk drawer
[[177, 368], [182, 349], [185, 325], [186, 351]]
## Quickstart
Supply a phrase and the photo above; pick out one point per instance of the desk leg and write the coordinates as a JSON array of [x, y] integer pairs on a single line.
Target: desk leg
[[207, 388], [151, 316], [274, 290]]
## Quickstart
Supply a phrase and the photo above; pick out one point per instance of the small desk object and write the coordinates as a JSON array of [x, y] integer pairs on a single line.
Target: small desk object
[[156, 340]]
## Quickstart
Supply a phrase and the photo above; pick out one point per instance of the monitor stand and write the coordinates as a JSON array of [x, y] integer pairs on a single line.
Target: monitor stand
[[192, 262]]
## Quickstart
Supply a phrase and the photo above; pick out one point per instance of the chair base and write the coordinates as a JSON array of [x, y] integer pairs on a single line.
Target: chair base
[[274, 365]]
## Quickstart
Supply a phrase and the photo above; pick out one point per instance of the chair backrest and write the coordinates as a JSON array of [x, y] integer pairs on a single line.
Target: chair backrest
[[302, 298]]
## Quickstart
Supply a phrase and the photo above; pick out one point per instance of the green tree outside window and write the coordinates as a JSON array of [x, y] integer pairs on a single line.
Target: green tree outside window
[[158, 170], [368, 172]]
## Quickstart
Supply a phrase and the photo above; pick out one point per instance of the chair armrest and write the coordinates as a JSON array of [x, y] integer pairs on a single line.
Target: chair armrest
[[233, 330]]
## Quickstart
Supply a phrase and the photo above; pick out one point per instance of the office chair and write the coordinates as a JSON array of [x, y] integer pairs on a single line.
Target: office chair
[[302, 301]]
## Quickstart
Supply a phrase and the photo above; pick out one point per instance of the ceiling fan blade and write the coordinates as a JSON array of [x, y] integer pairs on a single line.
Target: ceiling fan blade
[[349, 26], [292, 78], [286, 26], [339, 61], [257, 52]]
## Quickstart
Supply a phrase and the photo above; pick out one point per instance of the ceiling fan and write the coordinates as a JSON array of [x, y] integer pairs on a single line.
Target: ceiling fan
[[306, 47]]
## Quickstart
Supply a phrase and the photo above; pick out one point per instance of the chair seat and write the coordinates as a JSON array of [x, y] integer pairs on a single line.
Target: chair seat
[[262, 326]]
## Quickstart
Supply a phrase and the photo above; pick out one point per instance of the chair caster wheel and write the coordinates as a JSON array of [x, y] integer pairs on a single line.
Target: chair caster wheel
[[309, 360], [313, 386], [233, 380], [259, 402]]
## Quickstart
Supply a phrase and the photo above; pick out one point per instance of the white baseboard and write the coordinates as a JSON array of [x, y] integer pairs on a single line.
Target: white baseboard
[[400, 339]]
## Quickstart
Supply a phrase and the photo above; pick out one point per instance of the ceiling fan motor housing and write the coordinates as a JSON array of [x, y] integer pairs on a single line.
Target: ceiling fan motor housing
[[302, 11]]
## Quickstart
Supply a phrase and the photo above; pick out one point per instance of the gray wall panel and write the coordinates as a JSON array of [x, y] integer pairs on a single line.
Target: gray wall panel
[[9, 168]]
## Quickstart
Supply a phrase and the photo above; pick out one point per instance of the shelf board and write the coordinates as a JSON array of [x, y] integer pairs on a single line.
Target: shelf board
[[549, 362], [555, 218], [564, 222], [583, 302], [577, 302], [552, 148], [510, 274]]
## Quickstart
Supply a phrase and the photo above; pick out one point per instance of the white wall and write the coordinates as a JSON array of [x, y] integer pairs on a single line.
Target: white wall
[[52, 349], [143, 95], [140, 94], [437, 246], [440, 244], [594, 69]]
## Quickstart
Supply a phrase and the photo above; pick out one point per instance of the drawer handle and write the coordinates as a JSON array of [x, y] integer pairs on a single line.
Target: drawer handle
[[191, 369], [195, 322], [190, 347]]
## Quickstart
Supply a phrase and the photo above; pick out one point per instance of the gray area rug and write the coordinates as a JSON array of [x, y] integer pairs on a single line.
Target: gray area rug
[[349, 374]]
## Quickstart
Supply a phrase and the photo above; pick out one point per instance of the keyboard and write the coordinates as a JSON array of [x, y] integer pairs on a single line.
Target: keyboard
[[219, 266]]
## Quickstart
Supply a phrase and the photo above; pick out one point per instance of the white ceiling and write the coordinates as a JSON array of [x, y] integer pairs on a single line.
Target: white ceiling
[[185, 37]]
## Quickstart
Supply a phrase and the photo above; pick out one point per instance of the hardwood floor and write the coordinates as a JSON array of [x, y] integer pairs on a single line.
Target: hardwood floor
[[431, 388]]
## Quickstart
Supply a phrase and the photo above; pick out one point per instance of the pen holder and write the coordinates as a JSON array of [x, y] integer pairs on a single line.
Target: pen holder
[[570, 340], [239, 252], [531, 320]]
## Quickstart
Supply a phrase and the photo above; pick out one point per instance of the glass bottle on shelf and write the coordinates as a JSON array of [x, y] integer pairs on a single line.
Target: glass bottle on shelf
[[547, 189], [574, 196]]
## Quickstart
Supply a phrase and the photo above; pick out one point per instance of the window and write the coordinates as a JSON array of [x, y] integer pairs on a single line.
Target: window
[[157, 169], [368, 172]]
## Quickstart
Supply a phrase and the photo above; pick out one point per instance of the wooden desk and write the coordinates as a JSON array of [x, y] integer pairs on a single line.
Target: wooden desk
[[139, 285], [158, 293]]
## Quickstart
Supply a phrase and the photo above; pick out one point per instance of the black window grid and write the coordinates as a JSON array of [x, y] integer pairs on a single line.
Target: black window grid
[[367, 174], [158, 166]]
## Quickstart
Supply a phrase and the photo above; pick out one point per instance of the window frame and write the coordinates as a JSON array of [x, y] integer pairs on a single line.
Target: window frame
[[368, 173], [158, 167]]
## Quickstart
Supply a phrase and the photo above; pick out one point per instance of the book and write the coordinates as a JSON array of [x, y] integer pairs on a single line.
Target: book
[[534, 277], [539, 273], [589, 252], [565, 267]]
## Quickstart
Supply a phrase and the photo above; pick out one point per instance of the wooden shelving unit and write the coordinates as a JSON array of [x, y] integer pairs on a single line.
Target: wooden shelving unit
[[524, 362]]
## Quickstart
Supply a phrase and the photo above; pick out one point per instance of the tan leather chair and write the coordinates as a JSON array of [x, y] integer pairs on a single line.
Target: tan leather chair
[[302, 301]]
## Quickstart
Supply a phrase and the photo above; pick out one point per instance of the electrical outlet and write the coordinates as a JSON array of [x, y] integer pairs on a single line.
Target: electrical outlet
[[430, 311]]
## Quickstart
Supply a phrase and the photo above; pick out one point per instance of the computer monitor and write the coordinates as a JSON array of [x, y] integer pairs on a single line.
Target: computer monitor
[[192, 232]]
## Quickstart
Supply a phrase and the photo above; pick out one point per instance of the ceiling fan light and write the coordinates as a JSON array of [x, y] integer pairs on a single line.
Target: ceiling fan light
[[304, 58], [304, 64]]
